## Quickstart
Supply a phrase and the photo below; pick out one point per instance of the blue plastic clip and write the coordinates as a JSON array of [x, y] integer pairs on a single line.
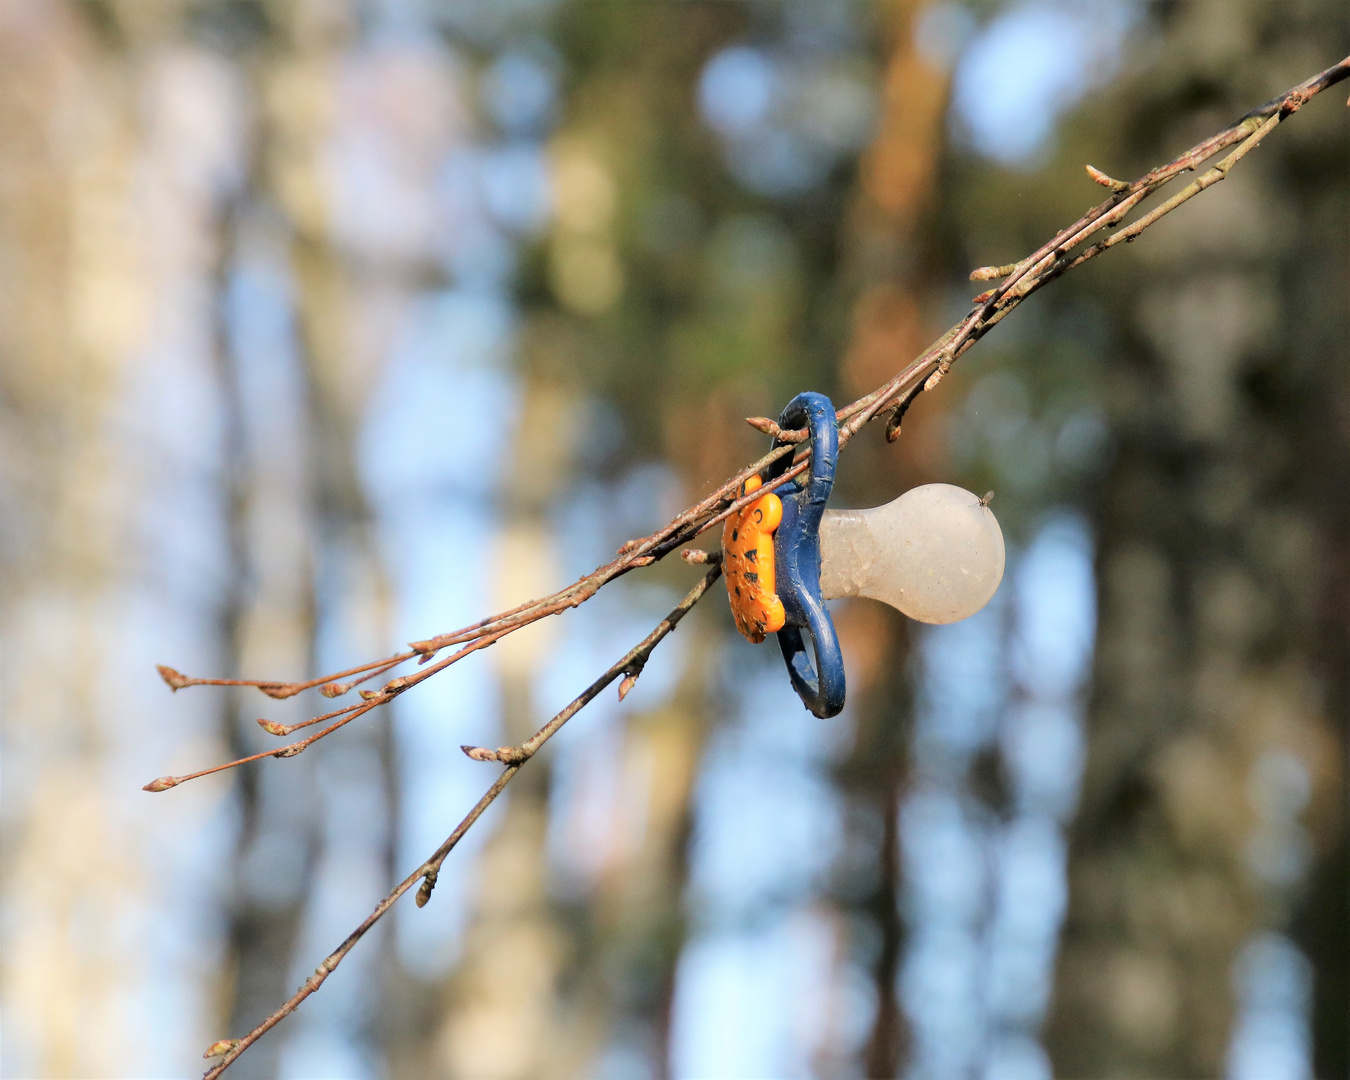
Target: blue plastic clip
[[797, 556]]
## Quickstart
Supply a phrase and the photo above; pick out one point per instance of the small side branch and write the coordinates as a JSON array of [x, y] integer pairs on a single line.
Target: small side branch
[[516, 757]]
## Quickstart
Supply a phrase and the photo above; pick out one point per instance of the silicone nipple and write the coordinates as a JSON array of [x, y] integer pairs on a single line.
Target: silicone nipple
[[935, 553]]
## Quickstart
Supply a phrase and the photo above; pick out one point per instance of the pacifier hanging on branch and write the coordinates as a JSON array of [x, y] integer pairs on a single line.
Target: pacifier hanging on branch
[[935, 553]]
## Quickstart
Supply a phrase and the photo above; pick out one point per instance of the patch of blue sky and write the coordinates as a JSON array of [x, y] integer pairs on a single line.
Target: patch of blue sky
[[435, 797], [315, 1051], [1272, 981], [939, 988], [468, 242], [752, 1003], [1044, 748], [944, 859], [519, 89], [437, 423], [1030, 899], [963, 686], [1056, 610], [1027, 66], [786, 115], [516, 187], [438, 560], [769, 821], [430, 455]]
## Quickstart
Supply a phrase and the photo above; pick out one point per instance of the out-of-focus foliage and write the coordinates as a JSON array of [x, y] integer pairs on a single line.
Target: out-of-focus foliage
[[326, 326]]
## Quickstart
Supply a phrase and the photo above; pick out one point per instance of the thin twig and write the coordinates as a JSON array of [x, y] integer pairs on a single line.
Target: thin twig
[[515, 759], [1020, 280]]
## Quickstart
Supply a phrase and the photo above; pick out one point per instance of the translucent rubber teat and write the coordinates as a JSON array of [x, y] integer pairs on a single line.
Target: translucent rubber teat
[[935, 553]]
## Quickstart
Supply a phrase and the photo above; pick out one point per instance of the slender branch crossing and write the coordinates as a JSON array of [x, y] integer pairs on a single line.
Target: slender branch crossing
[[1019, 280]]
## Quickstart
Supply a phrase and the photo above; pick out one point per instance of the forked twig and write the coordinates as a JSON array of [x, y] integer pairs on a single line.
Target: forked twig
[[1019, 280], [515, 758]]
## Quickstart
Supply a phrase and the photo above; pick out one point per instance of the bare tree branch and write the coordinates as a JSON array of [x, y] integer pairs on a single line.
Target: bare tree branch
[[1020, 280], [514, 757]]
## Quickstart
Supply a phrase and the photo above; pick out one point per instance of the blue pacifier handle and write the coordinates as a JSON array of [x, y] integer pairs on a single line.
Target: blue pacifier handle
[[797, 559]]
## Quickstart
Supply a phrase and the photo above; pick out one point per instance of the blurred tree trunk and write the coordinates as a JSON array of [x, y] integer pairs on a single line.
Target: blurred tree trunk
[[306, 472], [1218, 718], [264, 916], [67, 264], [889, 261]]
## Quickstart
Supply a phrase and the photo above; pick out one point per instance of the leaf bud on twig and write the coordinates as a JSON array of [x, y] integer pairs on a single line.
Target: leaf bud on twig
[[424, 890], [898, 415], [220, 1047], [162, 784], [764, 424], [175, 680], [1101, 178], [990, 273], [273, 728]]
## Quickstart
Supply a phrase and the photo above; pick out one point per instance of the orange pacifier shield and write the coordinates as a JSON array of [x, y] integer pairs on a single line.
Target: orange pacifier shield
[[747, 561]]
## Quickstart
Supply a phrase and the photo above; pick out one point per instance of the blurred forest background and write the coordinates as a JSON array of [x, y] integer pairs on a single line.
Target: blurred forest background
[[329, 325]]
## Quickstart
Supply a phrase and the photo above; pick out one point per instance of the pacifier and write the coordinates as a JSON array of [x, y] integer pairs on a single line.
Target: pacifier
[[935, 553]]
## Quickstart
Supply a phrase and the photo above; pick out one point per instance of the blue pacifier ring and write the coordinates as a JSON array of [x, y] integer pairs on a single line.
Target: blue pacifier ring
[[797, 559]]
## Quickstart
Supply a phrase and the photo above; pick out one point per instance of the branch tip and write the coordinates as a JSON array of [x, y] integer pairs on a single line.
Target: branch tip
[[272, 727], [507, 755], [162, 784], [1100, 177], [991, 273], [769, 427], [897, 416], [175, 680], [697, 557]]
